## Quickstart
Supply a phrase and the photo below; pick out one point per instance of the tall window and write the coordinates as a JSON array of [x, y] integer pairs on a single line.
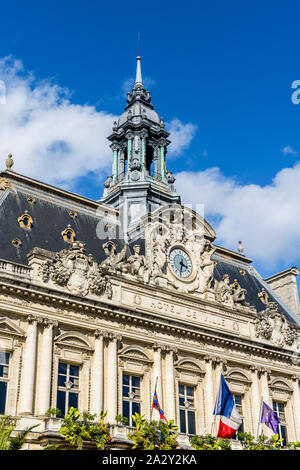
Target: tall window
[[187, 409], [131, 394], [4, 365], [68, 387], [278, 407], [238, 403]]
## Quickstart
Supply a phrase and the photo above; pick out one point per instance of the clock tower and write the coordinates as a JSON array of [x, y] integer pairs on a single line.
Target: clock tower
[[140, 181]]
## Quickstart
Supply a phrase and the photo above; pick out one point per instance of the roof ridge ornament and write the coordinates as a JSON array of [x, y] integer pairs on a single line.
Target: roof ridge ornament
[[9, 162]]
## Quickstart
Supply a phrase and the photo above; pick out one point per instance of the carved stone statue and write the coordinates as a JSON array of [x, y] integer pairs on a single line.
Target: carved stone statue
[[224, 293], [160, 247], [115, 262], [137, 263], [239, 294], [206, 265]]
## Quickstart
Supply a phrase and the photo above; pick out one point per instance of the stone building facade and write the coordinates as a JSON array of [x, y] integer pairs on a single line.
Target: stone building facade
[[99, 299]]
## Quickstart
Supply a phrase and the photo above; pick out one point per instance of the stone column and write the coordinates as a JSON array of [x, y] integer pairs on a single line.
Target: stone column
[[115, 149], [156, 374], [144, 135], [97, 375], [112, 378], [169, 403], [210, 395], [121, 162], [162, 150], [255, 400], [28, 367], [129, 137], [296, 405], [45, 367]]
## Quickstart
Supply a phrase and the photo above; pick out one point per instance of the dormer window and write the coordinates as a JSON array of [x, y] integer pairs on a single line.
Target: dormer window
[[16, 242], [264, 296], [68, 235], [25, 221]]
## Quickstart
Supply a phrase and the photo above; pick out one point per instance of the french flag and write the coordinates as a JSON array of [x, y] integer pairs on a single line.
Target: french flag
[[230, 419]]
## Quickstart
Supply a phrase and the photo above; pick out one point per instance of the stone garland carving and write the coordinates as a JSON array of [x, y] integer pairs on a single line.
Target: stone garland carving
[[272, 325], [79, 272]]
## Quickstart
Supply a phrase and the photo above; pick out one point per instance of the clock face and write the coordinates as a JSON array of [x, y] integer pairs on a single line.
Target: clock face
[[180, 263]]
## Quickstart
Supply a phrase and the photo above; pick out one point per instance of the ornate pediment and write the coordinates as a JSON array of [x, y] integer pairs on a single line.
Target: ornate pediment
[[8, 327], [189, 366], [74, 340], [134, 353]]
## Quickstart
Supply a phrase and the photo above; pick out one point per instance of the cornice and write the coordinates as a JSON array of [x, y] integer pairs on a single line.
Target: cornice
[[146, 320]]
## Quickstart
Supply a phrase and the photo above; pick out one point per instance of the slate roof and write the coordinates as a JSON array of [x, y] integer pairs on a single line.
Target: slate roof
[[252, 282], [50, 218]]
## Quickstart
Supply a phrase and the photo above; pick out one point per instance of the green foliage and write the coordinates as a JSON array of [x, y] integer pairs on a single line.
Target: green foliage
[[209, 442], [122, 420], [294, 445], [53, 412], [78, 427], [262, 443], [7, 426], [153, 435]]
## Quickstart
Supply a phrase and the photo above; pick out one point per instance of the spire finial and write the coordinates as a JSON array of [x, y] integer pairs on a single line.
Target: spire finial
[[138, 78]]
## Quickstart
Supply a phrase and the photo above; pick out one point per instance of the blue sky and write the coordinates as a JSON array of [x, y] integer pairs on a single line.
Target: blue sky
[[225, 68]]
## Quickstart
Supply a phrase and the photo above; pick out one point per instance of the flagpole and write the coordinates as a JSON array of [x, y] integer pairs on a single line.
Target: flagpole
[[151, 411], [259, 418], [214, 423]]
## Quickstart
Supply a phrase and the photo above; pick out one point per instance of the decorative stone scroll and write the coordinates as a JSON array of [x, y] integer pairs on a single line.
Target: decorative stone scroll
[[78, 272]]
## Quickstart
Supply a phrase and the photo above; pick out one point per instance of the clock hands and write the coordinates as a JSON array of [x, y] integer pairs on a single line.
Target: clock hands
[[182, 265]]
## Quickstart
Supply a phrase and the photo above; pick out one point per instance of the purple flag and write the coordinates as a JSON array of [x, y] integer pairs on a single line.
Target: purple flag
[[269, 417]]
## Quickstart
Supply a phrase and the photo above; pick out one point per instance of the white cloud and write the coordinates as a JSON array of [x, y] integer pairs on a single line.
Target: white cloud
[[265, 218], [181, 136], [288, 150], [50, 138]]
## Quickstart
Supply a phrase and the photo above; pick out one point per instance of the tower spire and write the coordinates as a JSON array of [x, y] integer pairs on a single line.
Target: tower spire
[[138, 79]]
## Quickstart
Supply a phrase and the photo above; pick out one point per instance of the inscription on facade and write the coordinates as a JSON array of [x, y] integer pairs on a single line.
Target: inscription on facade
[[174, 310]]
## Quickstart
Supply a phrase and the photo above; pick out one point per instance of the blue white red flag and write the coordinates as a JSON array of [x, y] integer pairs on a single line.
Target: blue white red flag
[[230, 419], [155, 404]]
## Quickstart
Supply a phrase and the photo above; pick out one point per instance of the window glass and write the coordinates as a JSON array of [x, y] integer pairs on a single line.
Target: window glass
[[131, 394], [4, 362], [3, 388], [186, 403], [191, 422], [68, 387]]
